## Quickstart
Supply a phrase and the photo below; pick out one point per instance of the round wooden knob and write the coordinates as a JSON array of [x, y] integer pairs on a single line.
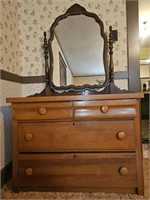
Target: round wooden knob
[[121, 135], [42, 111], [104, 109], [28, 136], [123, 170], [29, 171]]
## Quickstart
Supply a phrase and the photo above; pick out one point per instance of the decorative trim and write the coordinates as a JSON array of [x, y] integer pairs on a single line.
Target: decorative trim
[[145, 140], [21, 79], [10, 77], [34, 79], [145, 62], [6, 173], [42, 79], [77, 9], [121, 75]]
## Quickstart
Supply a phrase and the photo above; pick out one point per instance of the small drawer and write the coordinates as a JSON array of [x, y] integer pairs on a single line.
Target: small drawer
[[52, 111], [77, 170], [105, 109], [76, 136]]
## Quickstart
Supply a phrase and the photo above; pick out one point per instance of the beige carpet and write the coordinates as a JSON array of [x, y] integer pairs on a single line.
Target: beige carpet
[[6, 192]]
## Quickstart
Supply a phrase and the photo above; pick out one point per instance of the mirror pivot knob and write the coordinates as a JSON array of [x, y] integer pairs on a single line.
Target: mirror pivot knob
[[104, 109], [42, 111]]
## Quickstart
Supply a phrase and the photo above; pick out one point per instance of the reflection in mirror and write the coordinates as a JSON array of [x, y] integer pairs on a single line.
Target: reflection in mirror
[[78, 52]]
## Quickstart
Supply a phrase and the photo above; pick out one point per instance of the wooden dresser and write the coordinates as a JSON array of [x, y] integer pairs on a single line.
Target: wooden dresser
[[77, 143]]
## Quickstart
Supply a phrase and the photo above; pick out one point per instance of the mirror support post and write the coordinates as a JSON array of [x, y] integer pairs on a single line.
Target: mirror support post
[[112, 87], [111, 64], [45, 47]]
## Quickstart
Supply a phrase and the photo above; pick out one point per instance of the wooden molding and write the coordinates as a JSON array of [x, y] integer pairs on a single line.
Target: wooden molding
[[42, 79], [121, 75], [6, 173], [21, 79], [10, 76]]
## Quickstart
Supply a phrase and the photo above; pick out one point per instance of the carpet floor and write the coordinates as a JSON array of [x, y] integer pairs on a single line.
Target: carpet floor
[[6, 192]]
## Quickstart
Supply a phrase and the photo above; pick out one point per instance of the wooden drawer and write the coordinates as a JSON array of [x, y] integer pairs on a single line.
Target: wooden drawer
[[105, 109], [51, 111], [78, 136], [80, 170]]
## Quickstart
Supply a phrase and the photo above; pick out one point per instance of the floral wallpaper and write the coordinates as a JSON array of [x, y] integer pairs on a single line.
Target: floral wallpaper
[[9, 61], [30, 18], [9, 40]]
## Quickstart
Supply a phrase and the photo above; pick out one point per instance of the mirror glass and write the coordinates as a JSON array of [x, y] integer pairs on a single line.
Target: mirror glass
[[78, 52]]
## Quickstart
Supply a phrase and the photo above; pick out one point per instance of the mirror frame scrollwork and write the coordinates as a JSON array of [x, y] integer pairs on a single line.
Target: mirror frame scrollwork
[[51, 88]]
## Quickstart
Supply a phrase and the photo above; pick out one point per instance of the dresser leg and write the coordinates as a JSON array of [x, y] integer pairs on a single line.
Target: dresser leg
[[140, 191]]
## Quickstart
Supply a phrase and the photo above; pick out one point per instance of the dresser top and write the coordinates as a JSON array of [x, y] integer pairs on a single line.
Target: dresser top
[[75, 97]]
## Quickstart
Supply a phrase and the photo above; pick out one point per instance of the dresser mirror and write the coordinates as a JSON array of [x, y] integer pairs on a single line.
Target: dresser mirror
[[77, 54]]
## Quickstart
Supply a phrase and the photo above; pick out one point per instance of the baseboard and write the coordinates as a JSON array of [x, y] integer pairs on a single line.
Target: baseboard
[[6, 173], [145, 140]]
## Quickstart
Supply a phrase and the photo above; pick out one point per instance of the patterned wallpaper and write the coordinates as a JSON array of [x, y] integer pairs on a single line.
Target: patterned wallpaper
[[9, 40], [144, 70], [29, 18], [9, 61]]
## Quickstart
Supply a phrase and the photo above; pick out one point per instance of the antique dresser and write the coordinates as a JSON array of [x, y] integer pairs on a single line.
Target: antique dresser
[[83, 140], [77, 143]]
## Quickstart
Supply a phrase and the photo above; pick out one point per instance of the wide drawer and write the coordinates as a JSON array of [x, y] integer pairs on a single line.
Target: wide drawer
[[79, 136], [79, 170], [51, 111], [105, 109]]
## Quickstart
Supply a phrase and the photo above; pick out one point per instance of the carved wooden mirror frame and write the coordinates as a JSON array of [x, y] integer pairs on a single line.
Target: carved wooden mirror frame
[[107, 86]]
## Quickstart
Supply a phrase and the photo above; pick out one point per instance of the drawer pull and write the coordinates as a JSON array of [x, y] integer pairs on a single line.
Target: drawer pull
[[123, 171], [42, 111], [121, 135], [104, 109], [29, 171], [28, 136]]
